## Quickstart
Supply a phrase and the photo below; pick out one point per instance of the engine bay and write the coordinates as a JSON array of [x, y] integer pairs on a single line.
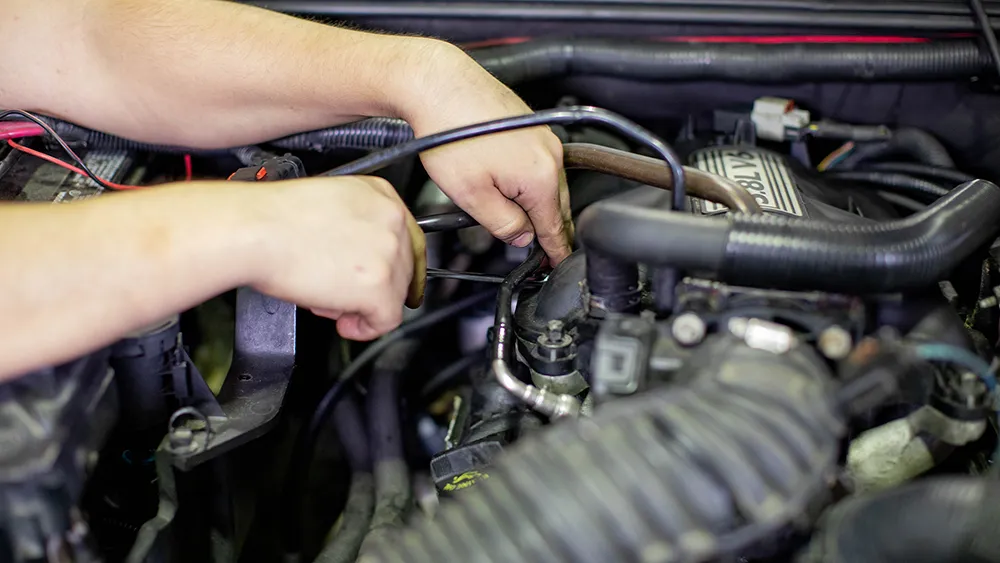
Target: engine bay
[[775, 341]]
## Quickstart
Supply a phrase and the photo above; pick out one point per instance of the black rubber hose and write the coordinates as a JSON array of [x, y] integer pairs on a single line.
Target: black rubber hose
[[943, 175], [447, 377], [574, 115], [251, 155], [690, 473], [612, 284], [916, 144], [357, 515], [367, 134], [757, 64], [302, 454], [940, 520], [393, 495], [896, 182], [786, 253], [902, 202]]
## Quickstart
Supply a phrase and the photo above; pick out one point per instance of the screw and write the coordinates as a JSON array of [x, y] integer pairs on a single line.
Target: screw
[[688, 329], [835, 343], [554, 331]]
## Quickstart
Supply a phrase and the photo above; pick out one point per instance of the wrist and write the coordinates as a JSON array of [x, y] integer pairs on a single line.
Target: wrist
[[392, 76], [438, 82], [247, 228]]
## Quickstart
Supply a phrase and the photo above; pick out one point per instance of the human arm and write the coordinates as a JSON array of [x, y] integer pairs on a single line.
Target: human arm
[[345, 247], [209, 73]]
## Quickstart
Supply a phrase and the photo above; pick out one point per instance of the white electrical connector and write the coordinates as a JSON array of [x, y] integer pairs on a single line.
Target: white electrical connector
[[777, 119]]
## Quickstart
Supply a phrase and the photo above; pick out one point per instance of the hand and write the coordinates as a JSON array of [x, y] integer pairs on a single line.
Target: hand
[[512, 183], [346, 248]]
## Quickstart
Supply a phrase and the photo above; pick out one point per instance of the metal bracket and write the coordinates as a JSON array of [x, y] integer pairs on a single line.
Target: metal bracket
[[263, 359]]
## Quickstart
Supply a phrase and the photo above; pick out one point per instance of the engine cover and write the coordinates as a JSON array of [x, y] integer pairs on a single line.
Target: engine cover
[[762, 173]]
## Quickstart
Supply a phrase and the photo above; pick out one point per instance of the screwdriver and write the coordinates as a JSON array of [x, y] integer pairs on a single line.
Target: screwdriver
[[450, 221], [437, 273], [464, 276]]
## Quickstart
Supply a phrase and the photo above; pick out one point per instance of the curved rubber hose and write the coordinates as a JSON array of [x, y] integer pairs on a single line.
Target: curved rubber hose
[[941, 520], [938, 174], [683, 474], [757, 64], [902, 184], [917, 144], [786, 253], [357, 514], [902, 202], [573, 115]]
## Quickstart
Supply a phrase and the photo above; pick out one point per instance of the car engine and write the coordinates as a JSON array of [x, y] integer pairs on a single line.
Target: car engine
[[775, 341]]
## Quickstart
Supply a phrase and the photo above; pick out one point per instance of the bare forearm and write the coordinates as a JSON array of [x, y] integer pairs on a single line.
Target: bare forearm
[[205, 72], [81, 275]]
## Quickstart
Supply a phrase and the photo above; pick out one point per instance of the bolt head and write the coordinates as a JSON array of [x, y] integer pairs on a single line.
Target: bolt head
[[835, 343], [554, 330], [688, 329]]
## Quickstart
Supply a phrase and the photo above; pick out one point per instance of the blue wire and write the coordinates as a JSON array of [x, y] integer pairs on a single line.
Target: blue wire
[[964, 358]]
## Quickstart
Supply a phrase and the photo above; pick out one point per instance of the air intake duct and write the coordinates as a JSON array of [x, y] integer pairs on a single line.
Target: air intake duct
[[685, 474]]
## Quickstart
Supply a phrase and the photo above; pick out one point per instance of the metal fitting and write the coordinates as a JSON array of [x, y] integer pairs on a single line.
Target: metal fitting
[[835, 343], [554, 331], [550, 404], [763, 335], [688, 329]]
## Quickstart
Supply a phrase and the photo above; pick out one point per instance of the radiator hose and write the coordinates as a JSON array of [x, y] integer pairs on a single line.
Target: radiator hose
[[941, 520], [684, 474], [757, 64], [790, 253]]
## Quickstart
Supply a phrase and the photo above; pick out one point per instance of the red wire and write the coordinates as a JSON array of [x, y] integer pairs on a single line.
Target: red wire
[[789, 39], [19, 129], [751, 39], [495, 42], [66, 165], [188, 168]]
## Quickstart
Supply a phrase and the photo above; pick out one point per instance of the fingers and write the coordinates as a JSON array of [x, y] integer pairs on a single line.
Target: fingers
[[567, 210], [358, 328], [539, 196], [512, 184], [417, 247], [418, 255], [479, 196]]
